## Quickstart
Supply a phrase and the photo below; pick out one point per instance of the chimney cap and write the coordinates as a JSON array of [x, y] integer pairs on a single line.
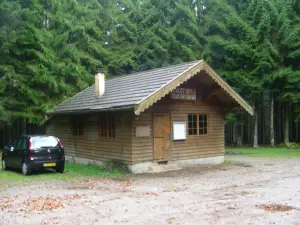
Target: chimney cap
[[99, 70]]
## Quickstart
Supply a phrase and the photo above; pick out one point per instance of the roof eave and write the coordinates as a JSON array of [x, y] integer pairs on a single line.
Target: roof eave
[[88, 111]]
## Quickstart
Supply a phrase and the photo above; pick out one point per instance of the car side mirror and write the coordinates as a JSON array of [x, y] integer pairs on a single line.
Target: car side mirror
[[9, 148]]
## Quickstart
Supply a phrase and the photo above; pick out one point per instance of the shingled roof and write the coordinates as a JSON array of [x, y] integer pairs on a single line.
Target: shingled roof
[[139, 91]]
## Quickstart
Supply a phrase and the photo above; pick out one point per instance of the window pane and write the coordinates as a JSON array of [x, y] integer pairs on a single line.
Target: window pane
[[200, 117], [195, 131], [107, 126], [192, 124], [20, 143], [77, 126], [202, 124], [14, 143], [44, 141], [102, 126], [195, 118]]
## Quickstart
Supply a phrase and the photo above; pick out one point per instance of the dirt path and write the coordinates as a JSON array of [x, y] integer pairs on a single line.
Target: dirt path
[[199, 195]]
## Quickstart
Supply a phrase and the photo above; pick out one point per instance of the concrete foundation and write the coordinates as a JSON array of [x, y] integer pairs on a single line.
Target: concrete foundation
[[84, 161], [151, 167], [202, 161]]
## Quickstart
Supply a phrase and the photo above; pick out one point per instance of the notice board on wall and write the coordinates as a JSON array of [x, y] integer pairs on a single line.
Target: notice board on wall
[[142, 131], [179, 131]]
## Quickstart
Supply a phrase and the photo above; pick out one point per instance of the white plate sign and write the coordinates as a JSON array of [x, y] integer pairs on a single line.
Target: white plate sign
[[179, 131]]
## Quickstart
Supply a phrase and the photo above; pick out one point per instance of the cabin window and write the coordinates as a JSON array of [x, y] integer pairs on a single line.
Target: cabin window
[[77, 127], [107, 126], [192, 126], [197, 124], [202, 124]]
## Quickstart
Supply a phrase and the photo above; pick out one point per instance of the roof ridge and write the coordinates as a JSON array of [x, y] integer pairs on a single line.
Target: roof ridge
[[150, 70]]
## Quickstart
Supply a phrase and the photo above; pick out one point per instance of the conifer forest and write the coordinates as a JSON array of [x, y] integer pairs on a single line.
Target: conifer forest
[[50, 50]]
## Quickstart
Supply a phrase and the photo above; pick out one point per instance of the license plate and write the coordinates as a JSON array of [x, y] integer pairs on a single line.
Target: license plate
[[49, 164]]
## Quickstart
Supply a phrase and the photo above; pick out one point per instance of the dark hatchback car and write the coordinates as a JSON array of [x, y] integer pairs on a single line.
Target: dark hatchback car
[[34, 152]]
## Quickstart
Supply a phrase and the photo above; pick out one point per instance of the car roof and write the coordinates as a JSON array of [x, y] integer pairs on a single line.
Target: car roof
[[37, 135]]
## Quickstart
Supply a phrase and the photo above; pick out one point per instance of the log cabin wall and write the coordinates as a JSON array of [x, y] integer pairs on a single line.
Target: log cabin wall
[[91, 145], [201, 146], [194, 147]]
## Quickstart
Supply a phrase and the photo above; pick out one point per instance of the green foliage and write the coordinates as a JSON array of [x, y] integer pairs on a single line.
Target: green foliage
[[267, 152], [230, 118], [227, 162], [255, 45], [290, 145], [72, 172], [51, 49]]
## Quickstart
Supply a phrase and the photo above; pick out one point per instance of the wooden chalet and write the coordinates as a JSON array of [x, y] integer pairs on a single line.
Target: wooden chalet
[[170, 115]]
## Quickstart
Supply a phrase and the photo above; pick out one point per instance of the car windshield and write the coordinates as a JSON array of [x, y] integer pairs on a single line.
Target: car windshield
[[40, 142]]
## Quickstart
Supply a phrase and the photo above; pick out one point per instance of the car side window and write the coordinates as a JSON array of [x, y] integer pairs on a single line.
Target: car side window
[[21, 143], [13, 144]]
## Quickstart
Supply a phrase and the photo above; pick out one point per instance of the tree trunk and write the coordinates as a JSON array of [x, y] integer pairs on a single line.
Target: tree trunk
[[255, 133], [249, 130], [297, 132], [24, 132], [286, 124], [272, 138], [239, 142], [234, 133]]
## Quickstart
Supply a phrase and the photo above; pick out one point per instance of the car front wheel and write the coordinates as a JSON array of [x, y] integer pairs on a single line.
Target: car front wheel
[[4, 166], [25, 169]]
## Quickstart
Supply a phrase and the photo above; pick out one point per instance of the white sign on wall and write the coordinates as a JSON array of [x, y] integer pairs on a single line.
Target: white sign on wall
[[179, 131], [142, 131], [184, 94]]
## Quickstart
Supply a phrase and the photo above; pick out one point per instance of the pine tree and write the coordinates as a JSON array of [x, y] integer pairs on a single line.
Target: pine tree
[[48, 54], [255, 45]]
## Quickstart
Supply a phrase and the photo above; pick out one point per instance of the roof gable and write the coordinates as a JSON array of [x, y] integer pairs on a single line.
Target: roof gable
[[141, 90], [183, 77]]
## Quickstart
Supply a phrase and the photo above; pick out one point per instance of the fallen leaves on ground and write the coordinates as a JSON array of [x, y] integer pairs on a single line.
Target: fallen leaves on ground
[[48, 203], [127, 183], [5, 202], [275, 207], [171, 190], [142, 194], [42, 204], [109, 184]]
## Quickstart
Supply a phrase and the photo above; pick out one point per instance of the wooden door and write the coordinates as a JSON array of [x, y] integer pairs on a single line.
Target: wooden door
[[161, 136]]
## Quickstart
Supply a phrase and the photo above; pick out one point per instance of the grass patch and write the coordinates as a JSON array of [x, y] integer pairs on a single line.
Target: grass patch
[[267, 152], [72, 171], [227, 162]]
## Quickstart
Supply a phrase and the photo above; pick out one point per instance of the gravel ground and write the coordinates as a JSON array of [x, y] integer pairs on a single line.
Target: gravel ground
[[223, 194]]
